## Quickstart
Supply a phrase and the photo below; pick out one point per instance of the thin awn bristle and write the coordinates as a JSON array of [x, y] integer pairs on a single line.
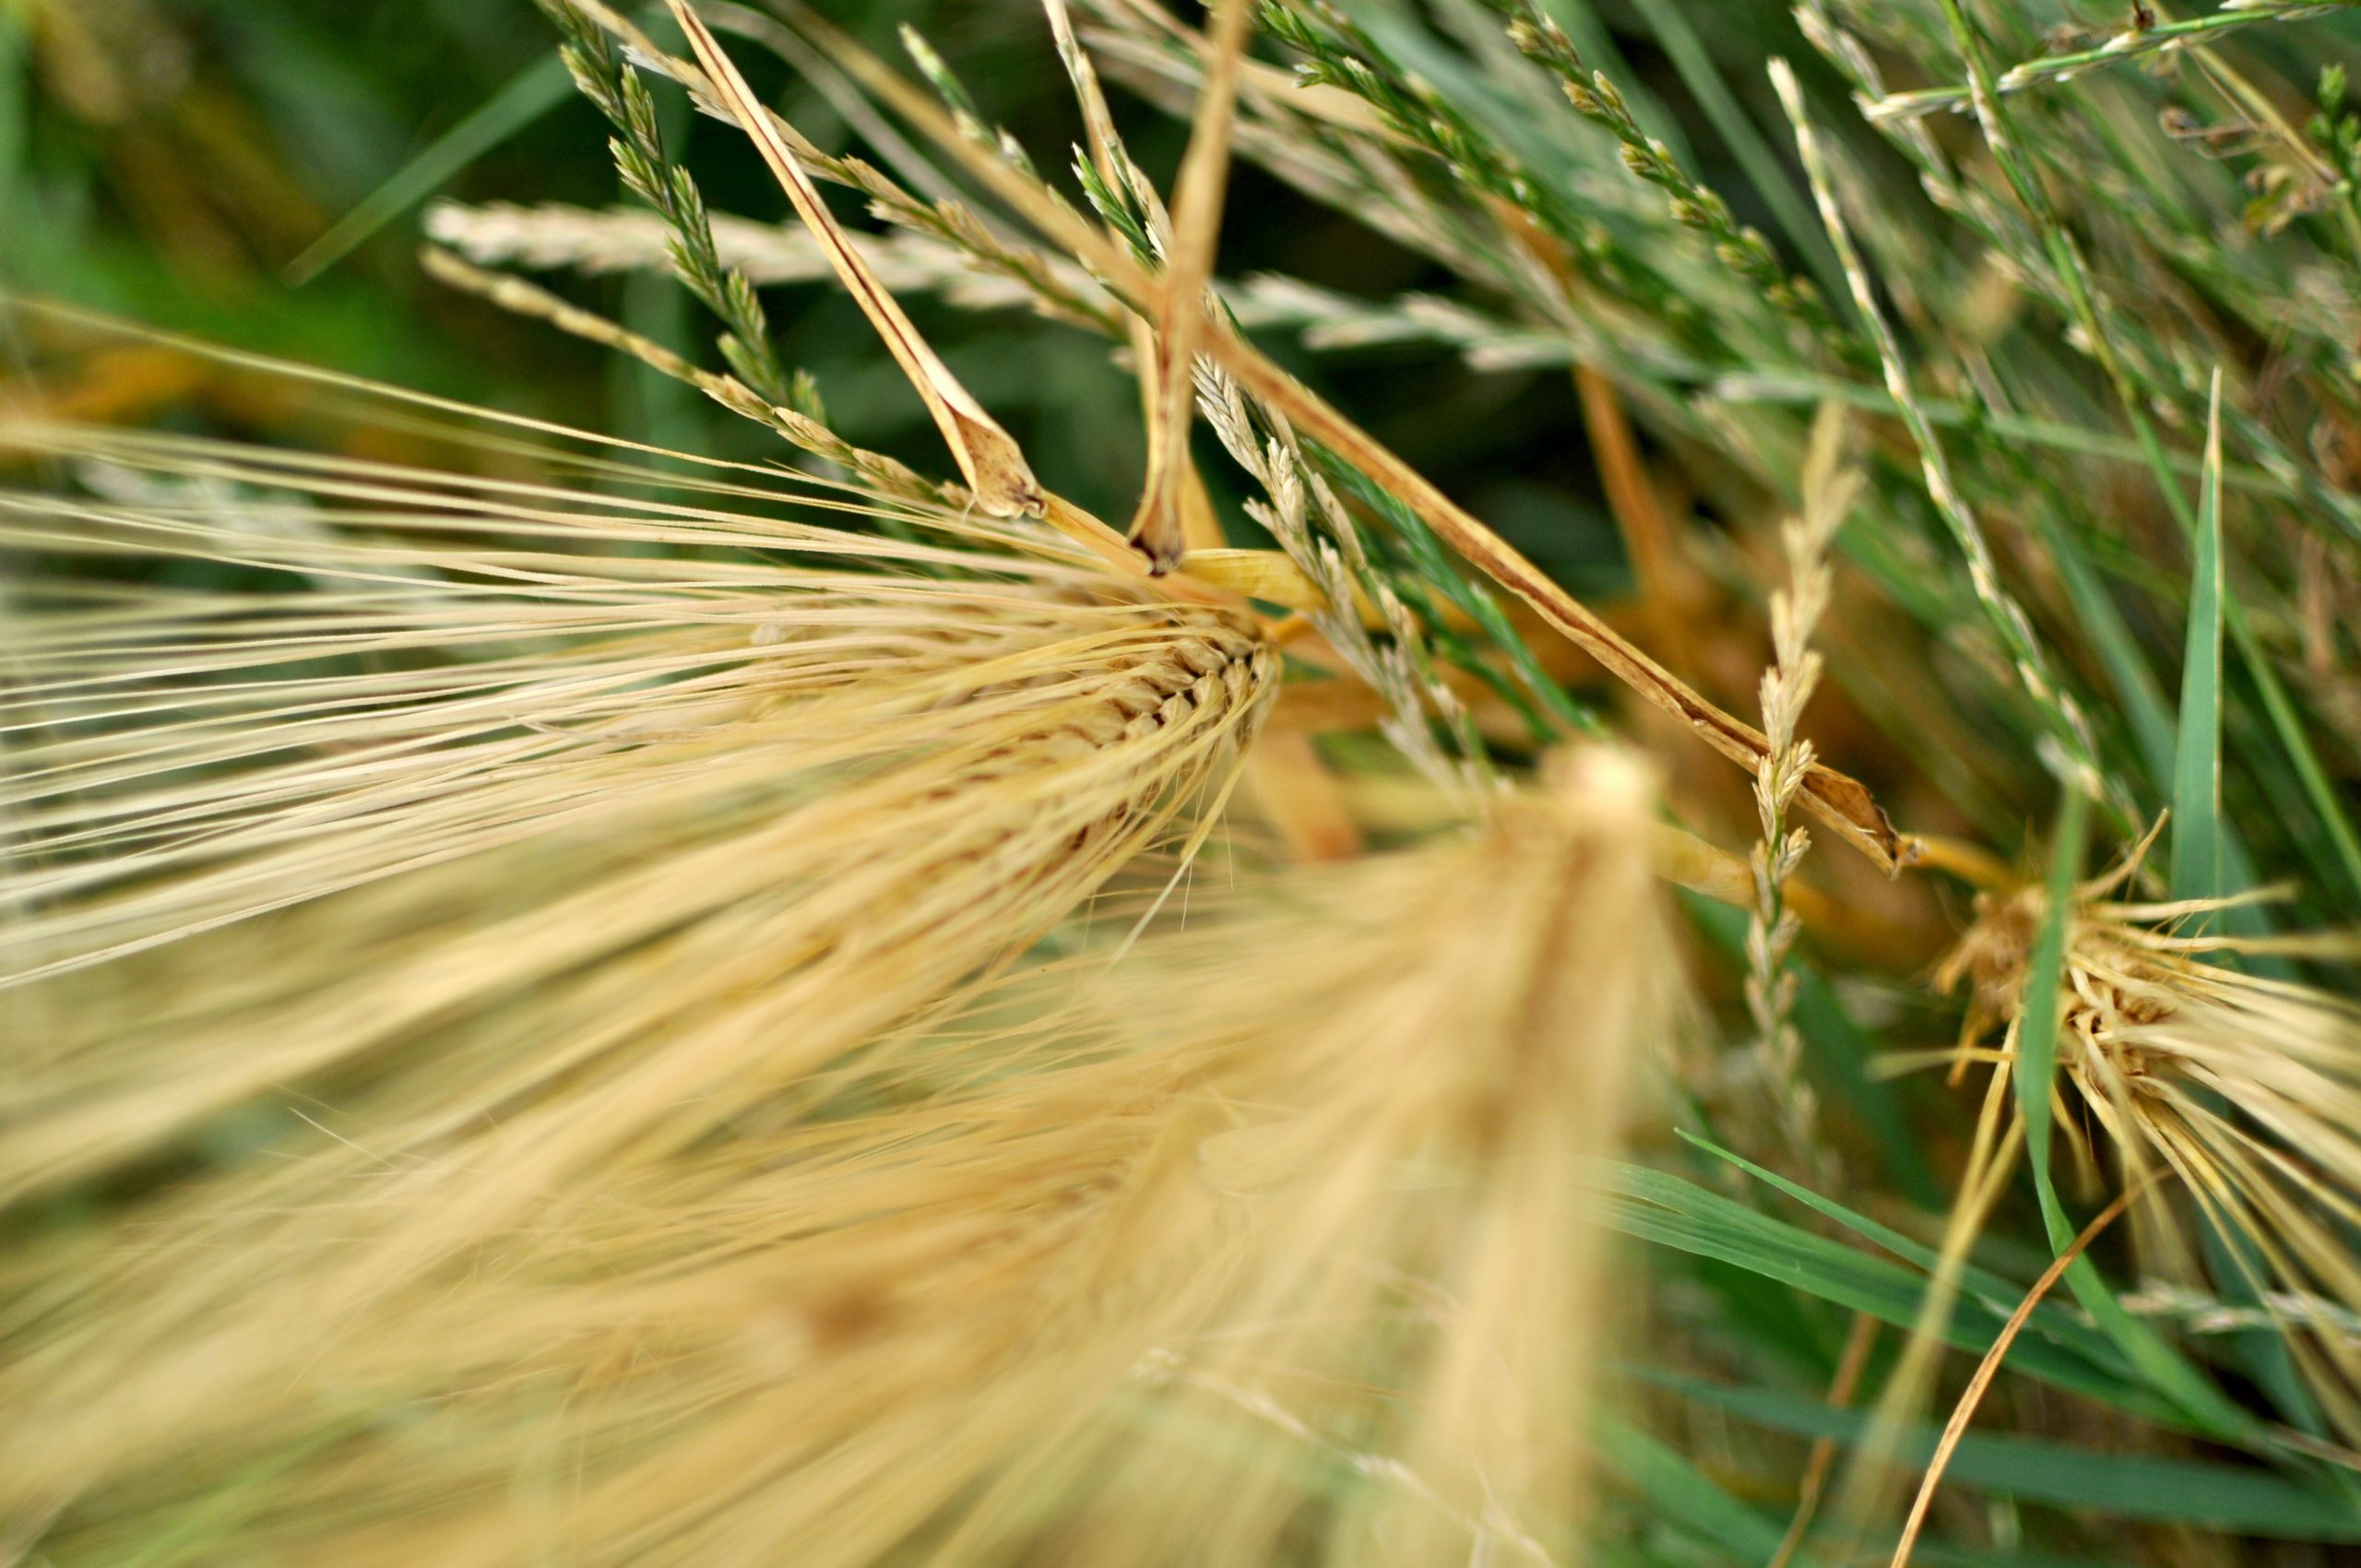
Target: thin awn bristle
[[1272, 1228]]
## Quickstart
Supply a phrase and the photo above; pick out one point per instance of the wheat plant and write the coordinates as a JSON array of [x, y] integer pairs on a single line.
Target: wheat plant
[[797, 994]]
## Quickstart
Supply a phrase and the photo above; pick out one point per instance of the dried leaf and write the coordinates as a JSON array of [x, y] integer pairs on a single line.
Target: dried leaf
[[1156, 529]]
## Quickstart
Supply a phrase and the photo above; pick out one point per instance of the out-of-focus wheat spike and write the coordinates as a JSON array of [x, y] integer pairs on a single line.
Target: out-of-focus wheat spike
[[2246, 1089], [1273, 1227]]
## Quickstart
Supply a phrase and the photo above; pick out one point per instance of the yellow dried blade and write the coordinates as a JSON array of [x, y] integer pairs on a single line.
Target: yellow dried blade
[[1156, 529]]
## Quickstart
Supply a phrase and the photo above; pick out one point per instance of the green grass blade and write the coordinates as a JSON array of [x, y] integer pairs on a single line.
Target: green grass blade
[[2204, 859], [529, 94], [1997, 1295], [2295, 741], [2197, 1493], [16, 113], [1651, 1206], [1685, 1497], [2037, 1054], [2196, 765]]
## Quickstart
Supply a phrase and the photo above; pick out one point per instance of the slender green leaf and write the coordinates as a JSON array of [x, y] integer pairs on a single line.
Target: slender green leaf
[[527, 96], [1654, 1207], [1997, 1295], [16, 141], [2197, 768], [1686, 1498], [2036, 1071], [2037, 1020], [2295, 741], [2202, 1494]]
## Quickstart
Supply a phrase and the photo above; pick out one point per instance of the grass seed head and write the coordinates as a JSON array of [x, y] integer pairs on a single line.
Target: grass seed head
[[2245, 1089]]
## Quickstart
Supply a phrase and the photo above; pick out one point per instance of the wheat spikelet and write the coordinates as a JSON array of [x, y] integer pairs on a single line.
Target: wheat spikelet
[[1786, 687], [1264, 1238], [2247, 1090]]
